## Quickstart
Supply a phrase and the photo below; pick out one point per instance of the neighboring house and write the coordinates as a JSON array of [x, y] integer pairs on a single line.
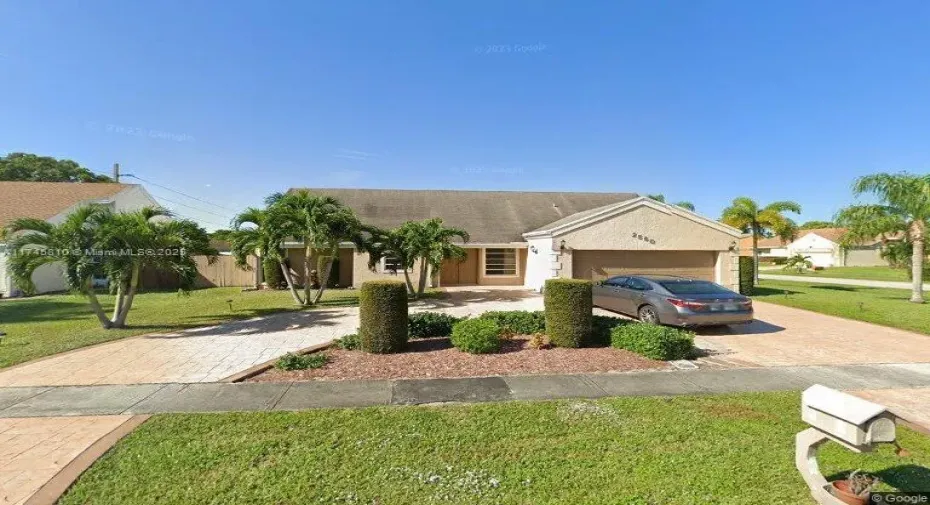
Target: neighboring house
[[823, 247], [524, 238], [53, 201]]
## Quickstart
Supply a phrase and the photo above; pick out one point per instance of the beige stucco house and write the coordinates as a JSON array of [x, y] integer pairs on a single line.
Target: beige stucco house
[[52, 202], [523, 238], [823, 246]]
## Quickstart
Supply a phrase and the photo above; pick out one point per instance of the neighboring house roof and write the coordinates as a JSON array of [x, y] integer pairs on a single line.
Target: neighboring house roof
[[489, 217], [45, 200], [831, 234], [764, 243]]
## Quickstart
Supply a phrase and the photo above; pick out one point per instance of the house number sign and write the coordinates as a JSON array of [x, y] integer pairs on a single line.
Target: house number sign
[[644, 238]]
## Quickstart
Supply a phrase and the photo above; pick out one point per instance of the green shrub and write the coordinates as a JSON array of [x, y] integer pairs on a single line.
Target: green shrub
[[382, 316], [349, 342], [291, 361], [431, 324], [568, 311], [653, 341], [747, 275], [601, 327], [518, 322], [271, 272], [476, 336]]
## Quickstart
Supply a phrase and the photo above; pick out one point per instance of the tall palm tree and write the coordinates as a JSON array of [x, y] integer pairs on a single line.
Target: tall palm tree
[[903, 210], [392, 244], [744, 213], [34, 243], [431, 242], [320, 224], [252, 235], [684, 204], [149, 238]]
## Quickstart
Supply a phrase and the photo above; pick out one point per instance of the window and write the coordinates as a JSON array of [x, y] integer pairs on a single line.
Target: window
[[391, 265], [637, 284], [500, 262], [694, 288], [616, 281]]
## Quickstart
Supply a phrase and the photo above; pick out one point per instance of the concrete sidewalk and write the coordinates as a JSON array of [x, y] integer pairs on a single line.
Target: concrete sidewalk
[[227, 397], [844, 282]]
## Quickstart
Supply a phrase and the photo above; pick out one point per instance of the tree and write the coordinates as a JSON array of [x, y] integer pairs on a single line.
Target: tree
[[252, 234], [320, 224], [148, 238], [34, 243], [94, 242], [429, 242], [744, 213], [798, 262], [903, 210], [684, 205], [30, 167], [811, 225]]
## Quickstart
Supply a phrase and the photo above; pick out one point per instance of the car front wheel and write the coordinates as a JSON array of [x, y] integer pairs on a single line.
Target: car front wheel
[[648, 314]]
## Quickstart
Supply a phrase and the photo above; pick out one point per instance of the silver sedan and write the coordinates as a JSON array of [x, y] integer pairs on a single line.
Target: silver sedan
[[676, 301]]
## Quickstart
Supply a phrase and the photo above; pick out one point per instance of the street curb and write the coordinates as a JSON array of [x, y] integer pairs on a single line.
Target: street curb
[[260, 368], [52, 490]]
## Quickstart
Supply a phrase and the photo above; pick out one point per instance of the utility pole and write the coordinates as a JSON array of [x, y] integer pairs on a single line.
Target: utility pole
[[116, 172]]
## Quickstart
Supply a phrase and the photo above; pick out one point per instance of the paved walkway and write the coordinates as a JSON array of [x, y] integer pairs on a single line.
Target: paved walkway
[[214, 353], [844, 282], [33, 450], [265, 396]]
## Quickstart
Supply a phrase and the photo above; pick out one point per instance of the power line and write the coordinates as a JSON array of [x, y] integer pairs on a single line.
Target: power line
[[191, 207], [178, 192]]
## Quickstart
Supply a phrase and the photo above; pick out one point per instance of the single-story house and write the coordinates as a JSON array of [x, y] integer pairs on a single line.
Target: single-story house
[[53, 201], [823, 247], [521, 238]]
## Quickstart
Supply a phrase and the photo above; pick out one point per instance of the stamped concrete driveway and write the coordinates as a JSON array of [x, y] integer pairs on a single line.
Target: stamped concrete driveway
[[784, 336], [213, 353]]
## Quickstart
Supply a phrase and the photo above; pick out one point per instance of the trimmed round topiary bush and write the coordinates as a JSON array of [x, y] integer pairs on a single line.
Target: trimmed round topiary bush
[[476, 336], [653, 341], [518, 322], [382, 316], [568, 311], [431, 324], [601, 326]]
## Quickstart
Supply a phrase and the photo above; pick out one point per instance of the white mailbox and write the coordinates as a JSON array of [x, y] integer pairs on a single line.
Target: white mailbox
[[855, 423], [850, 419]]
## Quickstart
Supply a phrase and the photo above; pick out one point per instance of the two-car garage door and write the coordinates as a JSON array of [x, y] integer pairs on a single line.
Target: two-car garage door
[[598, 265]]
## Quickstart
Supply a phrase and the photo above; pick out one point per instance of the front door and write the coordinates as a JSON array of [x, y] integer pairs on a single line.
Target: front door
[[460, 273]]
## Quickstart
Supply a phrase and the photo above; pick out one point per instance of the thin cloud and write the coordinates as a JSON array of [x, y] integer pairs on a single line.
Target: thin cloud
[[351, 154]]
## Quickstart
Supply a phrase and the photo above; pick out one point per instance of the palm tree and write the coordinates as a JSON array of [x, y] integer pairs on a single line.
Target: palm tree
[[34, 243], [903, 209], [252, 235], [684, 205], [320, 224], [148, 238], [392, 244], [798, 262], [744, 213], [94, 241]]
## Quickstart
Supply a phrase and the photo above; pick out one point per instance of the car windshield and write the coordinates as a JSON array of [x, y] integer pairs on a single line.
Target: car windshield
[[693, 287]]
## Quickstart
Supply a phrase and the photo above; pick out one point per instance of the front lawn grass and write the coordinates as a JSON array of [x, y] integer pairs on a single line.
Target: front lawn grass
[[882, 273], [49, 324], [723, 449], [888, 307]]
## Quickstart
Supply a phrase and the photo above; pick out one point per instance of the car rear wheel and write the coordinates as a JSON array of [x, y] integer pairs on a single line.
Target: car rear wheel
[[648, 314]]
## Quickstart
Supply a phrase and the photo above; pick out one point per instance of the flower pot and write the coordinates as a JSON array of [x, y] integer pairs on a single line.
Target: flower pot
[[841, 492]]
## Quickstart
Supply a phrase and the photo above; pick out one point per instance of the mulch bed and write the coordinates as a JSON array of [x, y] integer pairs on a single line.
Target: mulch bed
[[435, 357]]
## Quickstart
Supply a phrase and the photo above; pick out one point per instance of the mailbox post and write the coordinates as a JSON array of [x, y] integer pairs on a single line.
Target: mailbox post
[[848, 420]]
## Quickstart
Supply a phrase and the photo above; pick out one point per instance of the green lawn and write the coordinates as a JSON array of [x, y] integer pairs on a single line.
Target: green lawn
[[888, 307], [728, 449], [883, 273], [50, 324]]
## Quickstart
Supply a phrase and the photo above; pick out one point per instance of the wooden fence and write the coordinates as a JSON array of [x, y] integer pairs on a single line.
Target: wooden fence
[[222, 273]]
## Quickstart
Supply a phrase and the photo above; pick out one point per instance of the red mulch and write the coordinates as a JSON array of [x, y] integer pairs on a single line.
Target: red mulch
[[435, 357]]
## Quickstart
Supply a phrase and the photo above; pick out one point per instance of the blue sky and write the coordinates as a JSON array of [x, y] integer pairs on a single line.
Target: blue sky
[[699, 100]]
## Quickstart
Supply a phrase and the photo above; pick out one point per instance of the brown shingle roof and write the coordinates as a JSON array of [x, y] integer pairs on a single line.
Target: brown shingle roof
[[832, 234], [44, 200], [490, 217]]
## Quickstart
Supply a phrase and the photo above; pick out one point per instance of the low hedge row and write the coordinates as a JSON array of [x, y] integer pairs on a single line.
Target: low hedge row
[[653, 341], [518, 322], [431, 324]]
